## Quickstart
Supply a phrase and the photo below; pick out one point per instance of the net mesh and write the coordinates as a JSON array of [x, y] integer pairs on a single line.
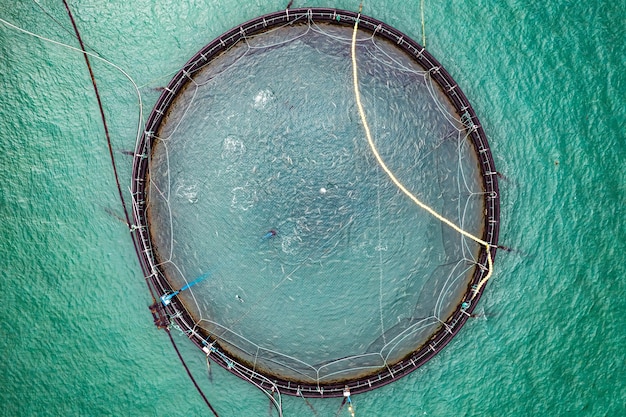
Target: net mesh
[[266, 137]]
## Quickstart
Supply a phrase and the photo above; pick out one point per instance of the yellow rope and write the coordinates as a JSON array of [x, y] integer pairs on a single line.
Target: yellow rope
[[393, 178]]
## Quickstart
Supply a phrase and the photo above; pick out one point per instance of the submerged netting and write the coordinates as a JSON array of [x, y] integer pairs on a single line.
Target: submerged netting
[[309, 269]]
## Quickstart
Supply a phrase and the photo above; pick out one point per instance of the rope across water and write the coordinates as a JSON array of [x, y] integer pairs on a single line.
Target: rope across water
[[381, 163]]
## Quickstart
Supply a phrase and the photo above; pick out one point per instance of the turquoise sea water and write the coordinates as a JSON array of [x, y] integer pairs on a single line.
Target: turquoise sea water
[[548, 84]]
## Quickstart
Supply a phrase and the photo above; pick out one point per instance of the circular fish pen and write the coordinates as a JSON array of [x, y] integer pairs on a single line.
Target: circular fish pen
[[275, 237]]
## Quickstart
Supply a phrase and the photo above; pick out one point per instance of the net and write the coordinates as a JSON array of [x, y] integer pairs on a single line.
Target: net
[[298, 261]]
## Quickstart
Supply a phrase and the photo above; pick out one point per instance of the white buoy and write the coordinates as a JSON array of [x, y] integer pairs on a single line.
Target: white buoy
[[322, 190]]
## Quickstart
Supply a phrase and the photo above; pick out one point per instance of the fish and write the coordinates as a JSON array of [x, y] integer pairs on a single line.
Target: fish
[[270, 234]]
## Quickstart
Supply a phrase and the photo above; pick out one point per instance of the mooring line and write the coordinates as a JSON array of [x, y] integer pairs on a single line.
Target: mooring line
[[104, 122], [121, 195], [423, 25], [182, 360]]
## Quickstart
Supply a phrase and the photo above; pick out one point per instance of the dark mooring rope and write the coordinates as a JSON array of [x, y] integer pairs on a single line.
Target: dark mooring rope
[[119, 189], [104, 123], [169, 333]]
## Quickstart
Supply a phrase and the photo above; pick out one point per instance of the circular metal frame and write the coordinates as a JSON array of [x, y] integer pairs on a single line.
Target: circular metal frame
[[175, 311]]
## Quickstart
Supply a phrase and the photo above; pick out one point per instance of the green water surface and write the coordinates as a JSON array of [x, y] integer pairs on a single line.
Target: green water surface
[[548, 84]]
